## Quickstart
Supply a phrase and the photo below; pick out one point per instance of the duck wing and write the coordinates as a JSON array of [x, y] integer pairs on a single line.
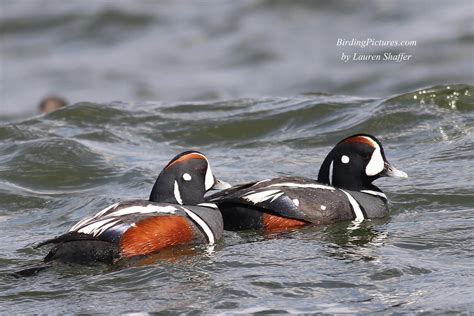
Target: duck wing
[[290, 197]]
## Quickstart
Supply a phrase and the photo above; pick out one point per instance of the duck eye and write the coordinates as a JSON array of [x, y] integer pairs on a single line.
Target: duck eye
[[187, 177]]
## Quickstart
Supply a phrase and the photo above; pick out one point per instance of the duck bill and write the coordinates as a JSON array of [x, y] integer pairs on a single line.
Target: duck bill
[[390, 171], [220, 185]]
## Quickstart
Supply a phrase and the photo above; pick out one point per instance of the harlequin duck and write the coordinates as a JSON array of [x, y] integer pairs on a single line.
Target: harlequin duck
[[343, 191], [175, 214]]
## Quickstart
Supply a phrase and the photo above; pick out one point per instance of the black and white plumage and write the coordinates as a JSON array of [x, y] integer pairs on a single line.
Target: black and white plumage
[[343, 191], [175, 214]]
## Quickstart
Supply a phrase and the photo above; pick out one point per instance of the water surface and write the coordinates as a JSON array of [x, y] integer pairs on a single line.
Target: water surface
[[140, 50], [56, 169]]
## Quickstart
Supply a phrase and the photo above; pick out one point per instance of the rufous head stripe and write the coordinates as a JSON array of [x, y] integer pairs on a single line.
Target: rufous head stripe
[[361, 139], [187, 157]]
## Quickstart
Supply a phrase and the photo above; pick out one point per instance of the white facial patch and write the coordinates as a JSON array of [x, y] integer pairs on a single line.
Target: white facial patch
[[345, 159], [376, 163], [209, 179], [187, 177], [177, 194]]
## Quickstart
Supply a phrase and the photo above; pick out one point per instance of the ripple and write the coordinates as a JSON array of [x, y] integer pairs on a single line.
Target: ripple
[[55, 163], [57, 168]]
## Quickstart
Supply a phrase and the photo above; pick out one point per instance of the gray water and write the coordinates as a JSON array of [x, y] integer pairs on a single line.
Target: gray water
[[139, 50], [68, 164], [258, 86]]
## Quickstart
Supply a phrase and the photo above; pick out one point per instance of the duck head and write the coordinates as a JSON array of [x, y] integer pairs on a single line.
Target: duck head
[[355, 162], [185, 180]]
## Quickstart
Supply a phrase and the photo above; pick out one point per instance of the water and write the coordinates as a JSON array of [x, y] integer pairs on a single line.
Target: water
[[58, 168], [269, 97], [140, 50]]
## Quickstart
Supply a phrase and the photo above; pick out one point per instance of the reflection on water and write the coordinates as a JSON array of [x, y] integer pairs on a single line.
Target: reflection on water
[[356, 241]]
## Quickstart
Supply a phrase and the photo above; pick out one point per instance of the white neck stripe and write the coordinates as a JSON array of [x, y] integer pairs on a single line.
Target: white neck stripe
[[177, 194], [330, 172]]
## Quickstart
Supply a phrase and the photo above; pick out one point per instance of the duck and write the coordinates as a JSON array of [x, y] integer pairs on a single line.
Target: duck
[[176, 213], [343, 191]]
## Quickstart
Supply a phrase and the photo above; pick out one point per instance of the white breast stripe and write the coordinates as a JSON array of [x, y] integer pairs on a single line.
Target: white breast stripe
[[298, 185], [355, 206], [207, 230], [374, 193]]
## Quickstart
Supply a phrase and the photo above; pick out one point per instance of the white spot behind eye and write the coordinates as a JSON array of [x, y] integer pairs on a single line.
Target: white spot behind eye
[[345, 159], [323, 207], [187, 177]]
